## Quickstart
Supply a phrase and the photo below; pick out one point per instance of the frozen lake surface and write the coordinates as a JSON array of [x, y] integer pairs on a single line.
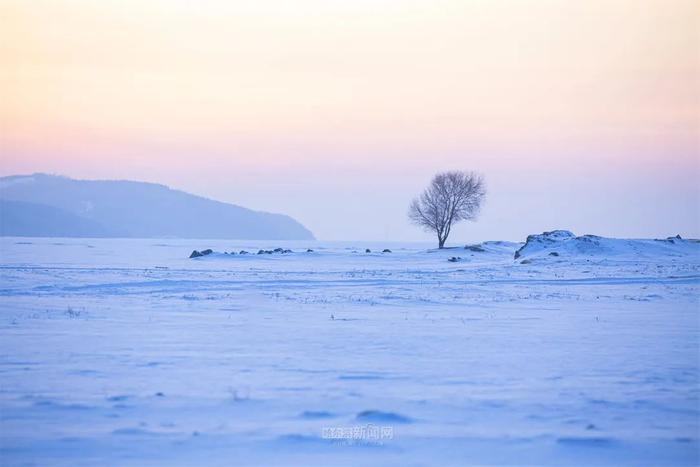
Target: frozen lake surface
[[127, 352]]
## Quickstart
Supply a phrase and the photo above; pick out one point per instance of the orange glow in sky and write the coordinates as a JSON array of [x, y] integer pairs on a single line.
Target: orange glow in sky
[[275, 105]]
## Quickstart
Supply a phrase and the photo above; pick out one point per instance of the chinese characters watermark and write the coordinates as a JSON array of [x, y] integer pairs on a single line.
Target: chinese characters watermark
[[358, 434]]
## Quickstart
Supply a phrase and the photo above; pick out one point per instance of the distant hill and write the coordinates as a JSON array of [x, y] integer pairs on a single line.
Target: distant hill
[[50, 206]]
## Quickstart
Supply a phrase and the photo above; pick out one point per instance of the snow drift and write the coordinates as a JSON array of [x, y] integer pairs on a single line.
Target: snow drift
[[126, 352], [563, 243]]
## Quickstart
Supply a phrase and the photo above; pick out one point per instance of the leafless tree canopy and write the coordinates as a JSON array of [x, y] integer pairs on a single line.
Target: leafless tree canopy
[[451, 197]]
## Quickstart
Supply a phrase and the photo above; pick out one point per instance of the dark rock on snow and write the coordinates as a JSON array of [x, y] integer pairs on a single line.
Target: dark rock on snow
[[197, 254], [673, 239], [276, 250]]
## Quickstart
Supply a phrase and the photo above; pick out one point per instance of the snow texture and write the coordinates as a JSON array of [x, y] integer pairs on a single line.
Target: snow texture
[[128, 352]]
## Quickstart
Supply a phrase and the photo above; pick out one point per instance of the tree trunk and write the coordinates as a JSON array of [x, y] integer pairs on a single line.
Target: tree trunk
[[441, 243]]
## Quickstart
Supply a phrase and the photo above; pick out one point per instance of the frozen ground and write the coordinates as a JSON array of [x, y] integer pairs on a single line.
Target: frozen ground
[[126, 352]]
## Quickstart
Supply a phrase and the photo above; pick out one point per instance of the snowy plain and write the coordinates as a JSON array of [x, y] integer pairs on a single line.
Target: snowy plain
[[127, 352]]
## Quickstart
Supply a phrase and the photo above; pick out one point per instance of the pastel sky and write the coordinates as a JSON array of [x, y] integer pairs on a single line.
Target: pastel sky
[[582, 115]]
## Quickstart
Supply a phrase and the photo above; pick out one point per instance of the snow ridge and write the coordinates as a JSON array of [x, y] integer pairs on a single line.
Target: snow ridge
[[564, 243]]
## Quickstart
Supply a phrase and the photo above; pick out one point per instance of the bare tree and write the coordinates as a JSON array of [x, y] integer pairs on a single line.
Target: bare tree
[[451, 197]]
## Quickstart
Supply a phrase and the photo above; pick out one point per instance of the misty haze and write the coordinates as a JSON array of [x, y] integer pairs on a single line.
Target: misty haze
[[340, 233]]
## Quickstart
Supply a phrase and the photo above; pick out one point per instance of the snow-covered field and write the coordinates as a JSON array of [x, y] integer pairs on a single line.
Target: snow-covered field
[[127, 352]]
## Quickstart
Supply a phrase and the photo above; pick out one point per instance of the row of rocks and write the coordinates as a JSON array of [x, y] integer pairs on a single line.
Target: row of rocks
[[282, 251], [276, 250]]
